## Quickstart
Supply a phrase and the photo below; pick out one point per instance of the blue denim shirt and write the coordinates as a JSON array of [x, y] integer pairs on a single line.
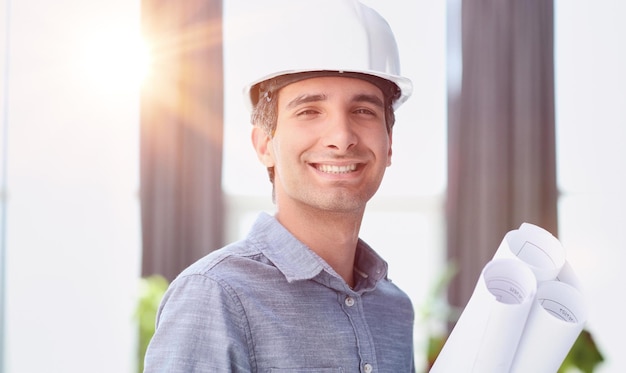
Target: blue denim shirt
[[270, 304]]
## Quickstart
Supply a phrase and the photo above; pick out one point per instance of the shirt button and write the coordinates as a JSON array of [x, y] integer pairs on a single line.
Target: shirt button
[[349, 301], [367, 368]]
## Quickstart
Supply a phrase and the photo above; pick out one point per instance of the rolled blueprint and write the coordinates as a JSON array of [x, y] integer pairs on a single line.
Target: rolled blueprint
[[486, 335], [568, 276], [502, 331], [556, 319], [536, 247]]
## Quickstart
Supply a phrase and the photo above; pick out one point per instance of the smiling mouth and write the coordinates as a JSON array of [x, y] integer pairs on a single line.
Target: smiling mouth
[[333, 169]]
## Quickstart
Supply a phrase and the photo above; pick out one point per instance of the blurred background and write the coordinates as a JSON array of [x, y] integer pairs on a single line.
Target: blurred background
[[124, 152]]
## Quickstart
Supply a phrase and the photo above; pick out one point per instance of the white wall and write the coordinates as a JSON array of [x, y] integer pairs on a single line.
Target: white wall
[[591, 131], [73, 237]]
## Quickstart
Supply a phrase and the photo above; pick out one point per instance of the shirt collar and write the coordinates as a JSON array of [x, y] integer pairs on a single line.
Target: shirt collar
[[297, 262]]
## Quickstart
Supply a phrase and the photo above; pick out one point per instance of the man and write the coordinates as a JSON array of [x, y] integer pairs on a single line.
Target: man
[[302, 293]]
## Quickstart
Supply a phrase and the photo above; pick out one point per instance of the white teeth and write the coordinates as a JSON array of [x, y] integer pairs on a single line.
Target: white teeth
[[330, 169]]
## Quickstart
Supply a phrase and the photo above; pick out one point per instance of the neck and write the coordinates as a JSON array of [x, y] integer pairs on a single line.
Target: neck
[[333, 236]]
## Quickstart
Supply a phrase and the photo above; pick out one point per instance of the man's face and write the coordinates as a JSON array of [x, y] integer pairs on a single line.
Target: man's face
[[331, 146]]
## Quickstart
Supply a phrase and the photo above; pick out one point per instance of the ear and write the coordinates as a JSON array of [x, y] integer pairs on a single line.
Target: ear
[[390, 148], [262, 145]]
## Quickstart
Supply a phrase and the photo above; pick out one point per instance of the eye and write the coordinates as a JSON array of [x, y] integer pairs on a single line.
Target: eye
[[366, 112], [307, 113]]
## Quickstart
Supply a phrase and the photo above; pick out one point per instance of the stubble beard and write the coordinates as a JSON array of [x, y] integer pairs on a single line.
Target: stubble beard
[[336, 200]]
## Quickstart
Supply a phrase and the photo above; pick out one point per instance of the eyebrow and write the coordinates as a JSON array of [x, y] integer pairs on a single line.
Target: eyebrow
[[372, 99], [304, 99]]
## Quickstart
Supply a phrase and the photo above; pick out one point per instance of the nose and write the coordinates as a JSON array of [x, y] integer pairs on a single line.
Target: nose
[[339, 134]]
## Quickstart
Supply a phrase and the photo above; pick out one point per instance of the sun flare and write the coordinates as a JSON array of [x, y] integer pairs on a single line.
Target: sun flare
[[117, 60]]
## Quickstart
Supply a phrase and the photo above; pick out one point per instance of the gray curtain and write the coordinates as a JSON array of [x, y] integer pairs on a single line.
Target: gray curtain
[[181, 135], [501, 153]]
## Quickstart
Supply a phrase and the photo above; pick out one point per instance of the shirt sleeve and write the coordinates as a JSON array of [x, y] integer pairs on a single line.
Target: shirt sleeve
[[200, 327]]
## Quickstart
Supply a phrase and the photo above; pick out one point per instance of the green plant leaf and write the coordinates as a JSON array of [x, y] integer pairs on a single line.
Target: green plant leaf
[[584, 355], [151, 291]]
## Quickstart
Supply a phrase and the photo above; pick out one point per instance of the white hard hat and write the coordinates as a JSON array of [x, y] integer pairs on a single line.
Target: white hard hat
[[295, 36]]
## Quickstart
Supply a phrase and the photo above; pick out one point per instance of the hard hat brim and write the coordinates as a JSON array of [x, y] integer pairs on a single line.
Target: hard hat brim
[[404, 85]]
